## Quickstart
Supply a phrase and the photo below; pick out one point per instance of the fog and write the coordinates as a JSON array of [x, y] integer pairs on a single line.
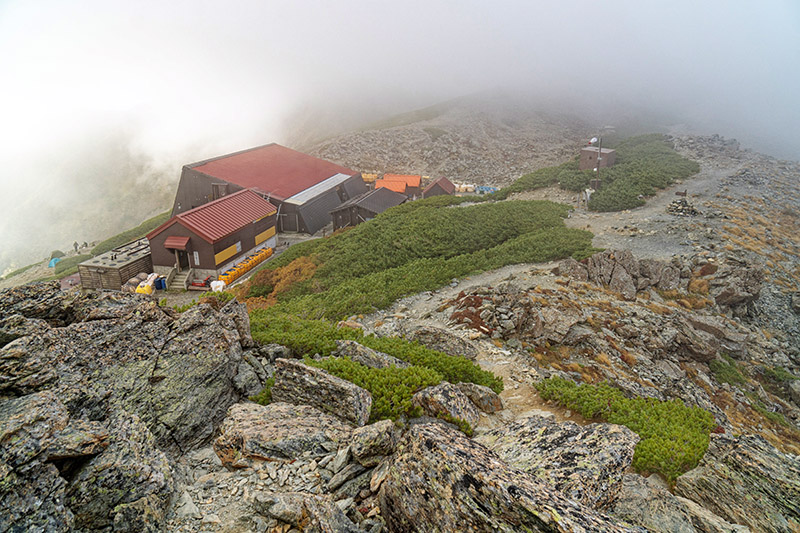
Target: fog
[[102, 102]]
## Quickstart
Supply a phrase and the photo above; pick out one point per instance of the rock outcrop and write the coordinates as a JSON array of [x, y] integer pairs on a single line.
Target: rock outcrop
[[300, 384], [278, 431], [367, 356], [123, 352], [446, 400], [585, 463], [373, 442], [439, 480], [443, 341], [58, 473], [649, 503], [312, 514], [745, 480]]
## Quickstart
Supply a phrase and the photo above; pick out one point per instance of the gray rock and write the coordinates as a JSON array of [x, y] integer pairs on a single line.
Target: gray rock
[[439, 480], [300, 384], [366, 356], [179, 375], [445, 399], [371, 443], [648, 503], [238, 313], [345, 474], [484, 398], [745, 480], [253, 432], [443, 341], [585, 463], [309, 513], [570, 268], [186, 508], [129, 483]]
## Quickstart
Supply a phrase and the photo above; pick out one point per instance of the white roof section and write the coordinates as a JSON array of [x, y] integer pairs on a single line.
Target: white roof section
[[315, 190]]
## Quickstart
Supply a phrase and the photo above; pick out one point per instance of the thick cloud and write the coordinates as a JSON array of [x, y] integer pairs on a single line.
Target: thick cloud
[[126, 92]]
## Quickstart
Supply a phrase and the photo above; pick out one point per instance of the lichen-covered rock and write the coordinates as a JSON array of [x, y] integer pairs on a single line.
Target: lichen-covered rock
[[43, 300], [571, 268], [443, 341], [300, 384], [445, 399], [648, 503], [306, 512], [179, 375], [16, 326], [439, 481], [253, 432], [371, 443], [745, 480], [585, 463], [484, 398], [129, 483], [366, 356], [58, 473]]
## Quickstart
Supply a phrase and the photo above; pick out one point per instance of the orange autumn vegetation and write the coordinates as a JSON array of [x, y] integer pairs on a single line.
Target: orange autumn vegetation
[[280, 279]]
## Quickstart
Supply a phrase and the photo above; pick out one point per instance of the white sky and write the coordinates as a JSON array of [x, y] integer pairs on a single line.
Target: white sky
[[171, 82]]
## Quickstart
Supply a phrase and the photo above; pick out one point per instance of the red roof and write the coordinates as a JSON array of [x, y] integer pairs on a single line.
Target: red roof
[[392, 185], [272, 169], [220, 218], [446, 185], [408, 179], [175, 242]]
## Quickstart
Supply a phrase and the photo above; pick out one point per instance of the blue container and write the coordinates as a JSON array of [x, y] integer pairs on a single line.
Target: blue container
[[161, 284]]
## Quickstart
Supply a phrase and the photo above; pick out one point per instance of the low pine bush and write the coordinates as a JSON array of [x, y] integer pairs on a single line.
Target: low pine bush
[[391, 388], [674, 436]]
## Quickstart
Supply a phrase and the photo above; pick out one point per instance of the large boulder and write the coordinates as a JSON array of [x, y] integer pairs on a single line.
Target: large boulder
[[300, 384], [443, 341], [439, 480], [128, 486], [372, 443], [745, 480], [366, 356], [585, 463], [122, 352], [278, 431], [649, 503], [446, 400], [58, 473], [484, 398]]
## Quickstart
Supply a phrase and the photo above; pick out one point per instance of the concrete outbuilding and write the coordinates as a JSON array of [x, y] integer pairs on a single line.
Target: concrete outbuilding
[[589, 157]]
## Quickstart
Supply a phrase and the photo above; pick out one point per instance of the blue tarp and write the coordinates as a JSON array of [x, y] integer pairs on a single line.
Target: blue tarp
[[53, 261]]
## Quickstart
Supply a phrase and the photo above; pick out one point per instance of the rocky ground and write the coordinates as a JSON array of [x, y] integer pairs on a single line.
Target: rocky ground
[[482, 143], [117, 414]]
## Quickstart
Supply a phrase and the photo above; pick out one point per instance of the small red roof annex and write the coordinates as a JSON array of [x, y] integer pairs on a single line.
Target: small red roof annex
[[220, 218]]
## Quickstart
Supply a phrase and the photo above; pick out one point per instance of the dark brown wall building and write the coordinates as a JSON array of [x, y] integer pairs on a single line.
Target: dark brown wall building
[[365, 206], [438, 188], [588, 159], [212, 237], [303, 188]]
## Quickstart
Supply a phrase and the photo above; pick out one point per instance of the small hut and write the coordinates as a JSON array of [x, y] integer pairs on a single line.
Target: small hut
[[112, 269], [365, 206]]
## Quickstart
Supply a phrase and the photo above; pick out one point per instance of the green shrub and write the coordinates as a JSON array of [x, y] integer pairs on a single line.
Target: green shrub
[[19, 271], [265, 396], [727, 371], [55, 254], [674, 437], [69, 265], [318, 337], [391, 388]]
